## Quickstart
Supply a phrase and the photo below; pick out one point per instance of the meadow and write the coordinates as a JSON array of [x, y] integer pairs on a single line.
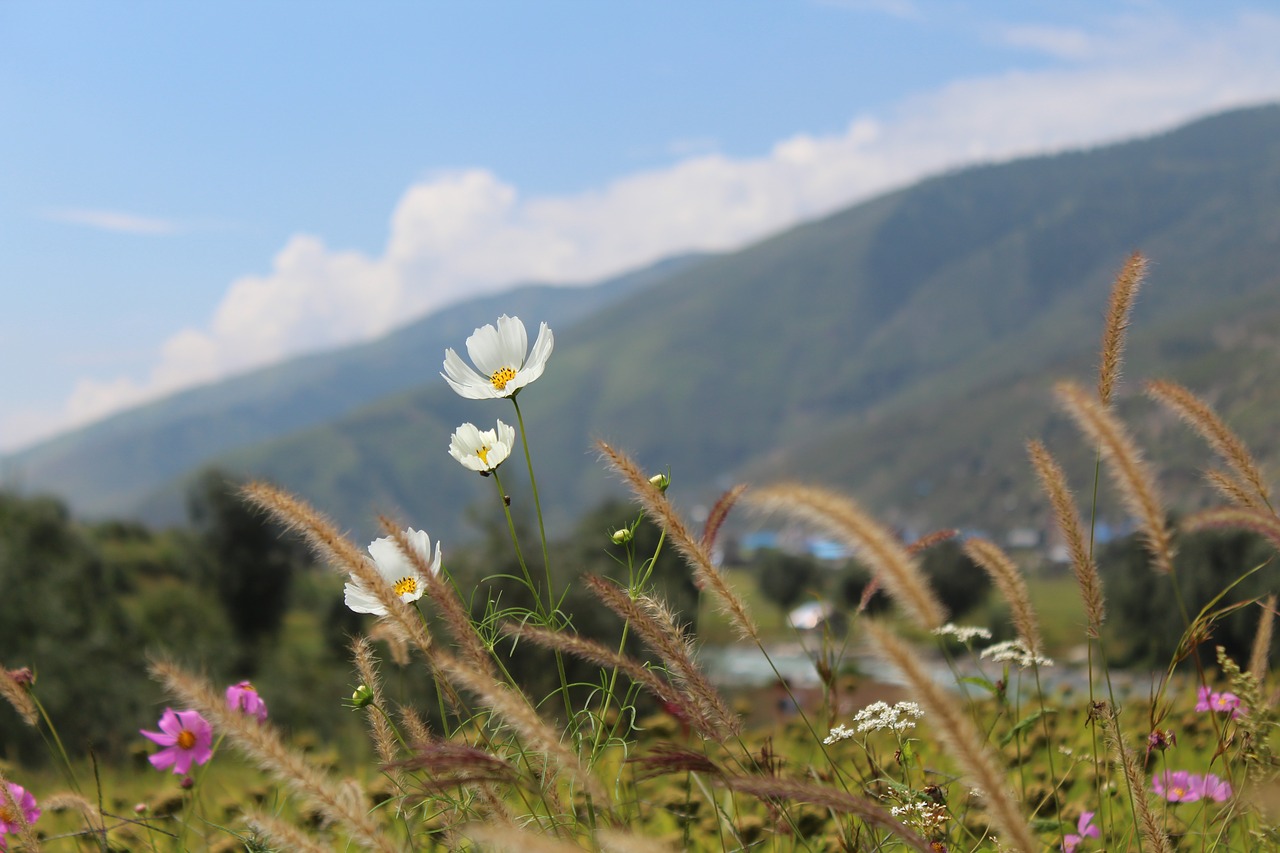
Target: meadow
[[575, 711]]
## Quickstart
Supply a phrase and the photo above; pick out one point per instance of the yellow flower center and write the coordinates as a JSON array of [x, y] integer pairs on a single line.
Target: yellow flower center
[[501, 377], [406, 586], [186, 739], [7, 815], [483, 452]]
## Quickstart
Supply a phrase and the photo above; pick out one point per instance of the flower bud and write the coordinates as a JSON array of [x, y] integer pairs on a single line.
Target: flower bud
[[362, 697], [660, 481], [621, 536]]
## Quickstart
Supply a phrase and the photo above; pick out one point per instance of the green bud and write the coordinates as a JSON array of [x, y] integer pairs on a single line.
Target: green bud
[[622, 536], [362, 697], [660, 481]]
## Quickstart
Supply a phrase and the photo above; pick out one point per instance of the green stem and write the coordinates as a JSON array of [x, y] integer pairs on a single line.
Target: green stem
[[537, 504], [62, 750], [515, 541], [552, 608]]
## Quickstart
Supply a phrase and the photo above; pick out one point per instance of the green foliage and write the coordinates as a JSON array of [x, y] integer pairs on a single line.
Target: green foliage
[[246, 560], [785, 578], [61, 615], [1148, 621], [960, 583]]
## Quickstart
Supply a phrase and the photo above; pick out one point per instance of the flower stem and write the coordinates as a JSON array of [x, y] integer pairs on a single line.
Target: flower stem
[[537, 506]]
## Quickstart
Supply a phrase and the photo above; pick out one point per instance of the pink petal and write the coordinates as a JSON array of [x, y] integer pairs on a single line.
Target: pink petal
[[158, 737], [165, 758], [170, 724]]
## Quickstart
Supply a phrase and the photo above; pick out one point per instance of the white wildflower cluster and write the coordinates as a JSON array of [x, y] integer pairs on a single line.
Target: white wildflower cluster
[[881, 715], [1014, 651], [929, 818], [964, 633], [838, 734]]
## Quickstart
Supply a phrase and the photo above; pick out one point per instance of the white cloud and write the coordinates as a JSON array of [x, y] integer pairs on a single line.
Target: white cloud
[[112, 220], [460, 234], [1060, 42]]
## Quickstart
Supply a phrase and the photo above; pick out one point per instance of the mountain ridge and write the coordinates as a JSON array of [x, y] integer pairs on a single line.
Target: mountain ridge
[[957, 288]]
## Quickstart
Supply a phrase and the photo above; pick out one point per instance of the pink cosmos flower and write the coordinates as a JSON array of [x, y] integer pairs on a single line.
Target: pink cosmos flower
[[1210, 787], [1177, 786], [1085, 828], [1224, 702], [189, 739], [244, 698], [11, 822]]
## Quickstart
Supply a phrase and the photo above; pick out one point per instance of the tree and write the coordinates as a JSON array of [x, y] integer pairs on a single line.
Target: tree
[[249, 563], [959, 582], [785, 578], [1145, 619]]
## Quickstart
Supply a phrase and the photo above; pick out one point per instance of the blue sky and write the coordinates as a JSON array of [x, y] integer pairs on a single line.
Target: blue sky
[[188, 190]]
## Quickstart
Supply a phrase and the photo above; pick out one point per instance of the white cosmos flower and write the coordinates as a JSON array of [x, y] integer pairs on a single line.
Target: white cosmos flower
[[398, 571], [482, 451], [499, 355]]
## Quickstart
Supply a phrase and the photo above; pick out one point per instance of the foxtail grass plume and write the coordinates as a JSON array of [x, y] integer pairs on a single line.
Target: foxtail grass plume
[[871, 813], [13, 687], [840, 517], [284, 835], [1256, 521], [513, 708], [960, 737], [1232, 489], [261, 742], [659, 632], [1009, 581], [652, 497], [397, 571], [502, 358], [1133, 480], [937, 537], [1201, 417], [384, 736], [1261, 652], [719, 512], [1072, 528], [510, 838], [1123, 293], [445, 598], [603, 656], [618, 841], [1148, 823], [90, 813], [343, 556]]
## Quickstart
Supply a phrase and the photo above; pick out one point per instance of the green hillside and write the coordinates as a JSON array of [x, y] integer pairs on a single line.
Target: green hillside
[[109, 468], [885, 344]]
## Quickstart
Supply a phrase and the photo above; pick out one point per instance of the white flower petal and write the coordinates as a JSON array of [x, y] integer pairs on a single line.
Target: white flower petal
[[514, 341], [498, 453], [465, 381], [360, 601], [501, 348], [394, 567], [506, 435], [487, 352], [541, 349]]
